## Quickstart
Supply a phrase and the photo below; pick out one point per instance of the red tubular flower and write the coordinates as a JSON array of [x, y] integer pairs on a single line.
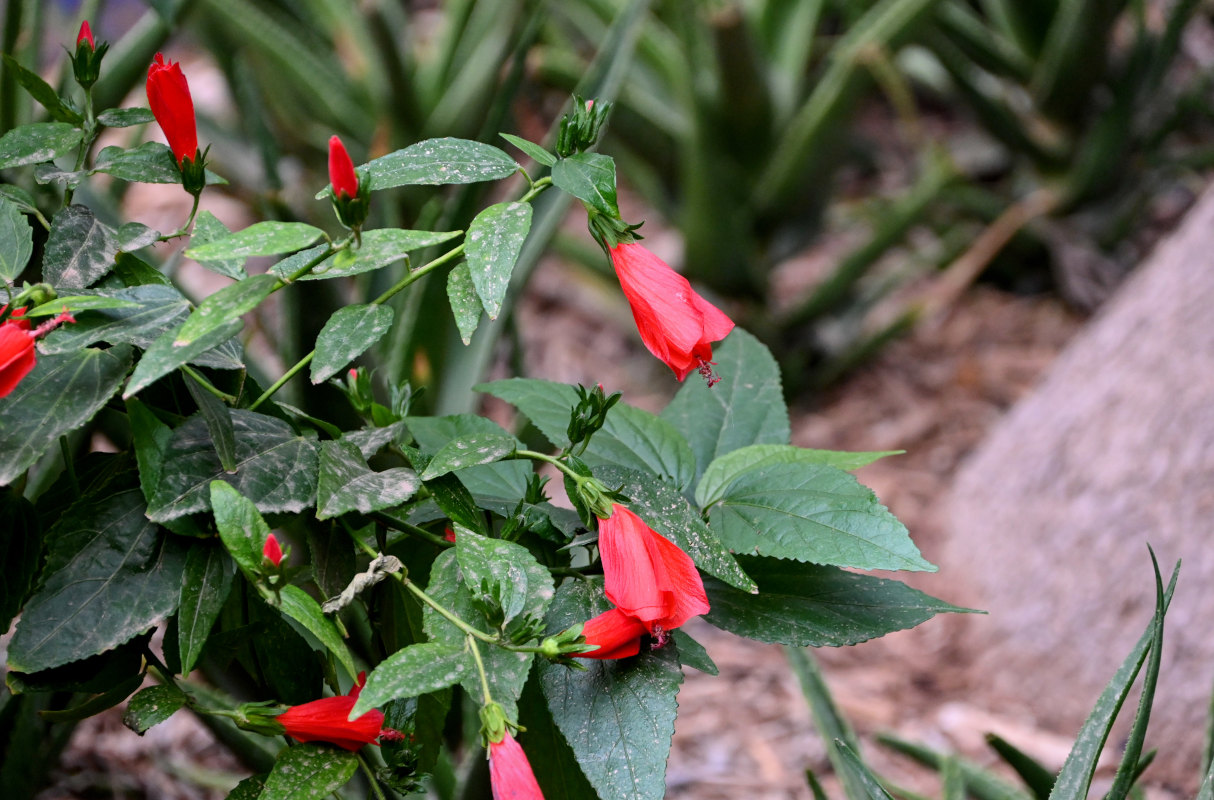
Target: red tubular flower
[[325, 720], [272, 550], [169, 97], [617, 634], [85, 35], [16, 351], [676, 324], [510, 772], [647, 576], [341, 170]]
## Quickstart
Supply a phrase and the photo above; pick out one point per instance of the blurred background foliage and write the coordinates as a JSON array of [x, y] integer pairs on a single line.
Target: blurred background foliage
[[837, 169]]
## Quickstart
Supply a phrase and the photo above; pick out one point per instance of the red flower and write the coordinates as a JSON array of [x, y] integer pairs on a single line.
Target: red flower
[[510, 772], [646, 575], [272, 550], [16, 351], [169, 97], [676, 324], [341, 170], [85, 35], [326, 720], [617, 634]]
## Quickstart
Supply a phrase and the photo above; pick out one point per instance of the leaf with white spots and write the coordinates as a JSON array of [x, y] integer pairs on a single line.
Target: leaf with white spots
[[439, 162], [207, 229], [309, 772], [259, 239], [16, 241], [346, 336], [507, 571], [469, 451], [150, 162], [590, 177], [80, 249], [495, 239], [347, 484], [152, 706], [380, 248], [465, 305], [411, 672], [37, 143]]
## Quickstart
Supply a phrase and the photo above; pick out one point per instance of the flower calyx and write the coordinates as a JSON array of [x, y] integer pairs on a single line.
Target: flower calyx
[[86, 60], [581, 127], [589, 415]]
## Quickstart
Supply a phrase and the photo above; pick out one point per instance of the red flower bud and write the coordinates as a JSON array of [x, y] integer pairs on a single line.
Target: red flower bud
[[341, 170], [510, 772], [676, 324], [169, 97], [325, 720], [85, 35], [272, 550]]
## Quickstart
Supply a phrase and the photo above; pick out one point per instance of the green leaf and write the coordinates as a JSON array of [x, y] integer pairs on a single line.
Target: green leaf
[[692, 653], [813, 606], [441, 161], [207, 229], [16, 241], [507, 570], [617, 716], [346, 336], [204, 588], [469, 451], [745, 407], [465, 305], [379, 248], [157, 310], [347, 484], [590, 177], [276, 468], [79, 250], [665, 510], [859, 773], [241, 528], [219, 422], [38, 143], [538, 154], [301, 607], [308, 772], [20, 553], [812, 512], [555, 767], [724, 469], [630, 438], [41, 91], [152, 706], [75, 304], [110, 575], [61, 394], [506, 669], [125, 117], [22, 199], [412, 671], [495, 239], [259, 239], [150, 162]]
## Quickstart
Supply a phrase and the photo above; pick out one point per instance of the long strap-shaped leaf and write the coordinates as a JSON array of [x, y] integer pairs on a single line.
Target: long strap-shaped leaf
[[1076, 776]]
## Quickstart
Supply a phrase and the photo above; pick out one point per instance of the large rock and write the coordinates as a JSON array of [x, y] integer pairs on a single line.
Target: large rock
[[1051, 516]]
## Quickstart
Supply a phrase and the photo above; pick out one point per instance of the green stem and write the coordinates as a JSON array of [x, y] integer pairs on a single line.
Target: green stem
[[412, 530], [480, 668], [547, 459], [417, 274], [450, 616], [362, 762], [278, 384], [206, 384]]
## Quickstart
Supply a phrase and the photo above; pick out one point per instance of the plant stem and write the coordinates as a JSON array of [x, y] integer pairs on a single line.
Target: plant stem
[[412, 530], [206, 384], [417, 274], [278, 384], [547, 459], [480, 668], [362, 762]]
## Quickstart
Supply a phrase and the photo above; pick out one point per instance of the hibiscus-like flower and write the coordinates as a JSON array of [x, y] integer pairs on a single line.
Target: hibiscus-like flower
[[326, 720], [17, 356], [510, 771], [169, 98], [676, 324]]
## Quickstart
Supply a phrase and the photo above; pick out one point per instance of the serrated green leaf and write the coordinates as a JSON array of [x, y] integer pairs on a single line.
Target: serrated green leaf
[[308, 772], [469, 451], [125, 117], [204, 588], [617, 716], [507, 480], [38, 143], [724, 469], [61, 394], [207, 229], [75, 304], [590, 177], [20, 553], [218, 417], [692, 653], [812, 512], [80, 249], [110, 574], [301, 607], [150, 162], [276, 468], [259, 239], [630, 438], [807, 605], [346, 336], [745, 407], [440, 161], [465, 305], [555, 767], [665, 510], [42, 91], [412, 671], [495, 239], [152, 706], [380, 248], [508, 570], [164, 355], [538, 154], [506, 670], [16, 241], [347, 484]]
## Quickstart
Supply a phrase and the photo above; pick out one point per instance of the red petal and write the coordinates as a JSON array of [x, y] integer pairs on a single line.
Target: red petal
[[341, 169], [635, 577], [617, 634], [326, 720], [17, 357], [510, 772], [171, 104]]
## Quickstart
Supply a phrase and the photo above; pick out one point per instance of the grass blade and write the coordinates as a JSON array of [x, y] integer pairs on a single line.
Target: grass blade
[[1037, 778]]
